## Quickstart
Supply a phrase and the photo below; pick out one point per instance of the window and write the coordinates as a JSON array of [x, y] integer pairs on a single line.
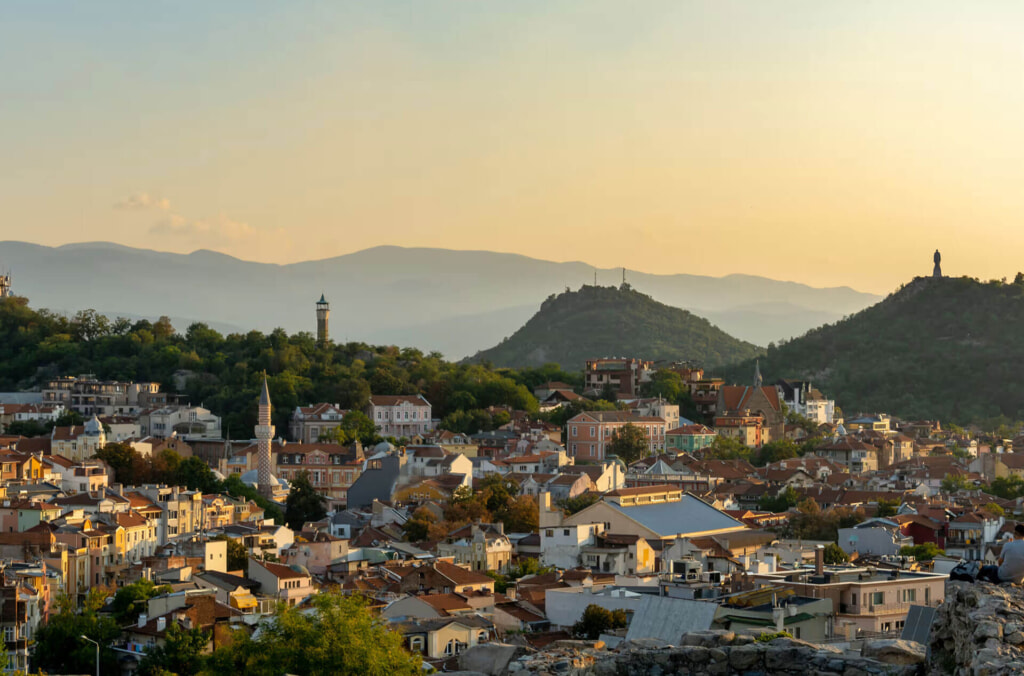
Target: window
[[878, 598], [416, 644], [9, 634], [565, 532], [549, 533], [574, 430], [909, 595]]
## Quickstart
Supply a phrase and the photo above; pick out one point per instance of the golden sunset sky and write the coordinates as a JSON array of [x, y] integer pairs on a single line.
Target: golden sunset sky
[[830, 143]]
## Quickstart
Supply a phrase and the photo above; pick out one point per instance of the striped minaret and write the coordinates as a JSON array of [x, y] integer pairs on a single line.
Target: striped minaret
[[264, 435]]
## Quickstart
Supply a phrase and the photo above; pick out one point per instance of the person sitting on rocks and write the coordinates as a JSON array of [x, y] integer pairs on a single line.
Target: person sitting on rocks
[[1011, 561]]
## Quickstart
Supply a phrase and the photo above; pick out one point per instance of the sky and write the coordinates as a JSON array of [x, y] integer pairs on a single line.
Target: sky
[[830, 143]]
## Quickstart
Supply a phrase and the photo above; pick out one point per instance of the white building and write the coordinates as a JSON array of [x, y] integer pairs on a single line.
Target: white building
[[803, 399], [402, 415]]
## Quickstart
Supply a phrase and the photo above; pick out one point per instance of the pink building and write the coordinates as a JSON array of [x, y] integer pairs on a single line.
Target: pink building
[[590, 432]]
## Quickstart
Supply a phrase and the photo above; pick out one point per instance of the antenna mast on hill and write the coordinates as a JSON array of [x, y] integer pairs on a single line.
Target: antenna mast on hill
[[595, 276]]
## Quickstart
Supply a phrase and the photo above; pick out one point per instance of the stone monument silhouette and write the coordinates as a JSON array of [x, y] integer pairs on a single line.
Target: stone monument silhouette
[[938, 268]]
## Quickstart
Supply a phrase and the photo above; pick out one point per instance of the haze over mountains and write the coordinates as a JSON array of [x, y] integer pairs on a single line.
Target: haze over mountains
[[456, 302]]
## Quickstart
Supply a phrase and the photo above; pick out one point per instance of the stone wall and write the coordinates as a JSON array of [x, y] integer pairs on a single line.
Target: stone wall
[[979, 630], [717, 653]]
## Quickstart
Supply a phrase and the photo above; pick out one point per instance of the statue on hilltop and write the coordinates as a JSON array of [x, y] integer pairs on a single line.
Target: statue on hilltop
[[938, 268]]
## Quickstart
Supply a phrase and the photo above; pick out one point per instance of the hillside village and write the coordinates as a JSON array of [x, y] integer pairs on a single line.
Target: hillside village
[[768, 510]]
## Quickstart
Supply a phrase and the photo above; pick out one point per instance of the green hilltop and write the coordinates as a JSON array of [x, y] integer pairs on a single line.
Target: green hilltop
[[600, 321], [947, 348]]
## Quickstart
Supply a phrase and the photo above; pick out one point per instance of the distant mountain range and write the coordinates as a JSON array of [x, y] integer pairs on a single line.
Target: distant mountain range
[[601, 321], [949, 349], [456, 302]]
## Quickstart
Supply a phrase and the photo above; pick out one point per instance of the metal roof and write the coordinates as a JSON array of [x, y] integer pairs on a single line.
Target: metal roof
[[688, 515]]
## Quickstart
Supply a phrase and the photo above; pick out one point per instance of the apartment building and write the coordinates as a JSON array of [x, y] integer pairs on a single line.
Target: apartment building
[[590, 432], [624, 375]]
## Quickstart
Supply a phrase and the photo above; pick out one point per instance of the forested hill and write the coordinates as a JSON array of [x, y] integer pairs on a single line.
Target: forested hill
[[227, 370], [948, 348], [600, 321]]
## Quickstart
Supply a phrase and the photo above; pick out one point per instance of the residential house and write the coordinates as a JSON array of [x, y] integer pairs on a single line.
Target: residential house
[[689, 438], [482, 547], [309, 423], [289, 584]]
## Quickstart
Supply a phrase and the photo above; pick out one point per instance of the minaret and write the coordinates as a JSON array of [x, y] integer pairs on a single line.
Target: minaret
[[264, 434], [937, 271], [323, 311]]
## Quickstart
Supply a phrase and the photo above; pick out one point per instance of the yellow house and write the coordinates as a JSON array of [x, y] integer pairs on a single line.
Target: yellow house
[[446, 637]]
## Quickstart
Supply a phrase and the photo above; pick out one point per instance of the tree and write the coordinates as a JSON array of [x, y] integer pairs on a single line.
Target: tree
[[182, 653], [953, 483], [887, 508], [773, 451], [597, 620], [238, 555], [59, 646], [521, 515], [126, 604], [834, 554], [993, 509], [923, 552], [779, 503], [197, 475], [628, 443], [577, 504], [303, 503], [418, 527], [727, 448], [340, 637]]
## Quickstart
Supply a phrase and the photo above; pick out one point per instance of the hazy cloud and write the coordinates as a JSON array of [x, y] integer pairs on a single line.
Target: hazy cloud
[[143, 200], [218, 229]]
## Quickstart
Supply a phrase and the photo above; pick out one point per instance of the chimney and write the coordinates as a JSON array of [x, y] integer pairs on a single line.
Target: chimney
[[819, 560], [161, 623], [143, 618]]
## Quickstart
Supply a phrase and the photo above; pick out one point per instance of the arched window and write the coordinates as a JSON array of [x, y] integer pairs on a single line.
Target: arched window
[[450, 648], [481, 637], [416, 644]]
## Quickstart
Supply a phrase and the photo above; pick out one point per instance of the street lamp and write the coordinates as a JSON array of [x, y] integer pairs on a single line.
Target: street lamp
[[97, 652]]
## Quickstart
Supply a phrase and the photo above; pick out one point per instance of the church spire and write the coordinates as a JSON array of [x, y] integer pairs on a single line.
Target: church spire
[[758, 381]]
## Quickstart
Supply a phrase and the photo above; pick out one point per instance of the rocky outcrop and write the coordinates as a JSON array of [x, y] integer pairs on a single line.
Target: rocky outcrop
[[979, 631], [718, 653]]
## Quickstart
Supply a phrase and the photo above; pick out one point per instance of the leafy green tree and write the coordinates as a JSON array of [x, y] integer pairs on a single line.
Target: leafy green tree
[[303, 503], [834, 554], [727, 448], [238, 555], [953, 483], [628, 443], [923, 552], [418, 527], [339, 638], [887, 508], [26, 428], [194, 473], [597, 620], [773, 451], [577, 504], [129, 600], [994, 509], [59, 647], [1007, 488], [183, 653], [782, 502]]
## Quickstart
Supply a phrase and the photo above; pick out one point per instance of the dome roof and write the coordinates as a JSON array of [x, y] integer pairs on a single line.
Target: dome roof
[[93, 426], [251, 478], [383, 447]]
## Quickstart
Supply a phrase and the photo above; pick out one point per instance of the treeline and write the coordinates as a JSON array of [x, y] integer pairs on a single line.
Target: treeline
[[223, 373], [943, 349]]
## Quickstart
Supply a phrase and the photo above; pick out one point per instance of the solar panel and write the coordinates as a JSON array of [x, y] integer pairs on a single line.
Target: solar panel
[[918, 626]]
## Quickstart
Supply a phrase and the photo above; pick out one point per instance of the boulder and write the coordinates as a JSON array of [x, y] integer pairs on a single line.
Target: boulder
[[491, 659], [895, 651]]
